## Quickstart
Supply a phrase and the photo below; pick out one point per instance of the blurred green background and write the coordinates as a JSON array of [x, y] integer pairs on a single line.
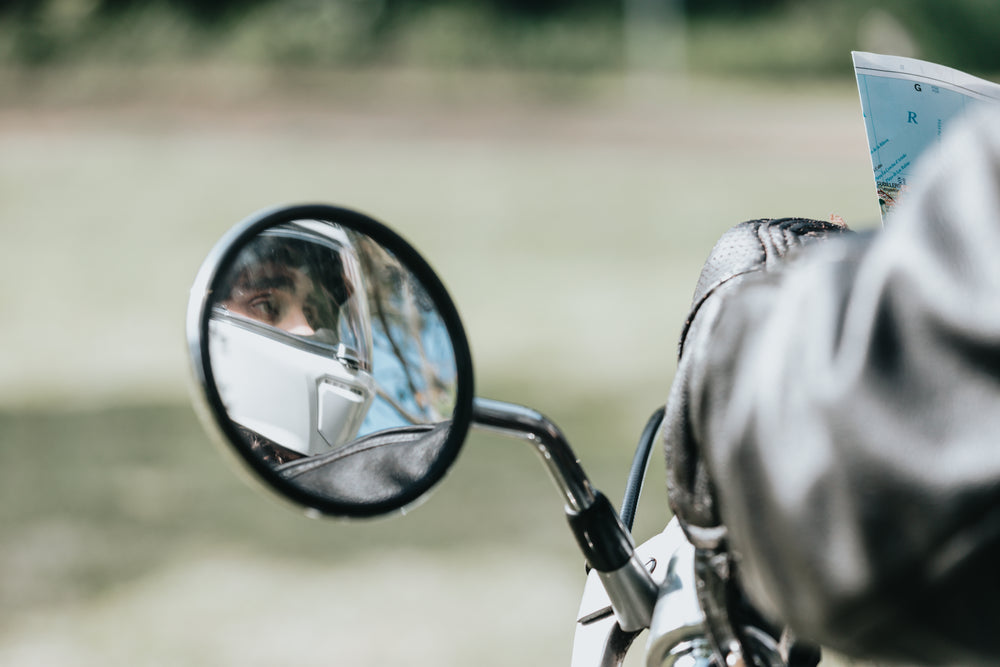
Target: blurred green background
[[565, 166]]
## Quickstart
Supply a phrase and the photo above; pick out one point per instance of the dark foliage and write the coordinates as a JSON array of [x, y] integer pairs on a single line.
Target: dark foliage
[[730, 7], [203, 12], [959, 33]]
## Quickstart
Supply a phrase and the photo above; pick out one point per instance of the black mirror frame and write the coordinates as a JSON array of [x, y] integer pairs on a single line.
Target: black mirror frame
[[197, 334]]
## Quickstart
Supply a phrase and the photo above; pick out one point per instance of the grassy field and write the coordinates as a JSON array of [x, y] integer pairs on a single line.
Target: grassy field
[[567, 217]]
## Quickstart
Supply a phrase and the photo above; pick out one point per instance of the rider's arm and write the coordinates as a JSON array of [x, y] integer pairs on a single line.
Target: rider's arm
[[839, 416]]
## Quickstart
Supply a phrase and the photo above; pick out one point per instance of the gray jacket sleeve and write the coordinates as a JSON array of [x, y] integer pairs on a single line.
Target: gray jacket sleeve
[[835, 425]]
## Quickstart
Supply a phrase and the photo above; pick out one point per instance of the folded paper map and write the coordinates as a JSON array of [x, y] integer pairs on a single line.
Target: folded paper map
[[907, 104]]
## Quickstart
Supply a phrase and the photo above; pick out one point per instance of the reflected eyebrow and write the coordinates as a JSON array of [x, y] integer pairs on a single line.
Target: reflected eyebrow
[[265, 282]]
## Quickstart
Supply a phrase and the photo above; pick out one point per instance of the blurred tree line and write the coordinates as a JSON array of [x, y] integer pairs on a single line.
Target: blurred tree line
[[220, 10], [736, 36]]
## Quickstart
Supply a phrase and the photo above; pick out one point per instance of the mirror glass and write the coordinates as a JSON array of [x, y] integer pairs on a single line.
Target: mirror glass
[[333, 363]]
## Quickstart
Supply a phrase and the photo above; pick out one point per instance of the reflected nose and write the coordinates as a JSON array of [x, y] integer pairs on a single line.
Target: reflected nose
[[295, 322]]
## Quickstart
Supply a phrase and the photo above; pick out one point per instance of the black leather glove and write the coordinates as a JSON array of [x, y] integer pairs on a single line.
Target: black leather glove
[[833, 423], [748, 249], [745, 252]]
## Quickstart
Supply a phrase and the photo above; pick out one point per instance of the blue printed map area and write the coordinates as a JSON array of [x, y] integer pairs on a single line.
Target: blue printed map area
[[903, 119], [908, 105]]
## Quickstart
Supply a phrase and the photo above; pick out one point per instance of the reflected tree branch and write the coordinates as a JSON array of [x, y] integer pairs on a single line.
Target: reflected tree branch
[[401, 308], [406, 414]]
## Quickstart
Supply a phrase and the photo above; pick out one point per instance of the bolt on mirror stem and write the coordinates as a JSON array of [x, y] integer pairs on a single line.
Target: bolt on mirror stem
[[606, 543]]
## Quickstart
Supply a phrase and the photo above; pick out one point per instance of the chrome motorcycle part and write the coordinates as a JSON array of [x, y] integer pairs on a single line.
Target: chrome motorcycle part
[[605, 542], [601, 640], [677, 634], [329, 355], [632, 597], [517, 421]]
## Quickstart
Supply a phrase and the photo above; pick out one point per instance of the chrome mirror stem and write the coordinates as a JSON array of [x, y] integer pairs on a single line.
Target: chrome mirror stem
[[604, 540], [525, 424]]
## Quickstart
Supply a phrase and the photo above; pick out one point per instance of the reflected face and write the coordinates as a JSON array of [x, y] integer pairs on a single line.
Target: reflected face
[[334, 369], [281, 296]]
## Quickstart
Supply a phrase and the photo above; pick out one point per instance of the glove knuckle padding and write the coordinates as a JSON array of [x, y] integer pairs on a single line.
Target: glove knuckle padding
[[755, 245], [747, 248]]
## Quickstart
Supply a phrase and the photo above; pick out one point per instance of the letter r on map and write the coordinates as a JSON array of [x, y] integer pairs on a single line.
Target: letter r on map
[[911, 117]]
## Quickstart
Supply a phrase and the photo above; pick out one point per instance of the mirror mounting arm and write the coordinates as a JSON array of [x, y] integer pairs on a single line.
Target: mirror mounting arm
[[605, 541], [525, 424]]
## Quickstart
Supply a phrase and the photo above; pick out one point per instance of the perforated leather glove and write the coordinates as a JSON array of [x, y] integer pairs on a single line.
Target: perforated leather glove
[[747, 250], [751, 251], [833, 422]]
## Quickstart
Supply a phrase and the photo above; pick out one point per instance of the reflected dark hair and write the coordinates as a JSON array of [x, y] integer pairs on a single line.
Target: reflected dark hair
[[325, 265], [266, 449]]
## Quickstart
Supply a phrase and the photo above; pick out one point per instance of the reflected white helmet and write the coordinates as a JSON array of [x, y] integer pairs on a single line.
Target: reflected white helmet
[[290, 338]]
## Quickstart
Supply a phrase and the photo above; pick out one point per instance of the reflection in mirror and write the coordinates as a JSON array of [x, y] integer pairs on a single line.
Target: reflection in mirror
[[417, 376], [332, 361]]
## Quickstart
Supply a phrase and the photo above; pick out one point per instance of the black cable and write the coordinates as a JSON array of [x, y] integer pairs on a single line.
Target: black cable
[[636, 476]]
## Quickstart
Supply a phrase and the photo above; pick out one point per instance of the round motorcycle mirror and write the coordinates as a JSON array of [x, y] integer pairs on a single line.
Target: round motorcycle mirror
[[329, 355]]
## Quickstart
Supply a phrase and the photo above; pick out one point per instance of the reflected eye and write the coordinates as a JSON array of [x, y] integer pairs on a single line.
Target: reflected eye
[[265, 307]]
